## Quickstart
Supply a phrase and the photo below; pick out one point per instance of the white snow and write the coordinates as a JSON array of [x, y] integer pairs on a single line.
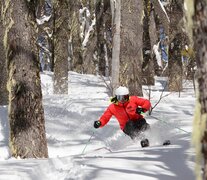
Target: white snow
[[87, 35], [163, 8], [77, 151], [157, 54], [43, 19]]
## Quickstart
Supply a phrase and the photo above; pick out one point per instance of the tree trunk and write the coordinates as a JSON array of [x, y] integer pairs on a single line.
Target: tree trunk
[[175, 64], [200, 44], [89, 64], [76, 46], [102, 16], [131, 46], [89, 39], [45, 31], [164, 19], [61, 36], [26, 115], [116, 44], [3, 74], [176, 38], [153, 41], [108, 36], [100, 30], [148, 65]]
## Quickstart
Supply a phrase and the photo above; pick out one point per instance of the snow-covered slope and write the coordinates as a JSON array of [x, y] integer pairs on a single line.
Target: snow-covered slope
[[79, 152]]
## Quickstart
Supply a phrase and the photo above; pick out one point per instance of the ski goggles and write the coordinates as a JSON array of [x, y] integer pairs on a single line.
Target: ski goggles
[[122, 98]]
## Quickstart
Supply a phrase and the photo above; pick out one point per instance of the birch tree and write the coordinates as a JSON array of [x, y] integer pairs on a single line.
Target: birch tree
[[116, 26]]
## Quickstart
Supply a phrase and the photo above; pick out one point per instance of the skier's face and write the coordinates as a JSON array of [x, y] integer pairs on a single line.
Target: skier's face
[[122, 98]]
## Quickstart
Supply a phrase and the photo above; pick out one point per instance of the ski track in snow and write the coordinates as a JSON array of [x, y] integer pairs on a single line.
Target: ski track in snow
[[69, 126]]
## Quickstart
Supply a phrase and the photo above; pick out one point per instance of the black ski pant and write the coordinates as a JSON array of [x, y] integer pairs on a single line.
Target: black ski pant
[[134, 128]]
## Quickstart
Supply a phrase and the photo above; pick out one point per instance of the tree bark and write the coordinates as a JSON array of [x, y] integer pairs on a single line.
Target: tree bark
[[61, 36], [45, 34], [176, 41], [116, 44], [74, 29], [108, 36], [3, 72], [148, 64], [89, 45], [200, 44], [89, 64], [100, 30], [153, 41], [102, 16], [26, 114], [164, 19], [131, 46], [175, 64]]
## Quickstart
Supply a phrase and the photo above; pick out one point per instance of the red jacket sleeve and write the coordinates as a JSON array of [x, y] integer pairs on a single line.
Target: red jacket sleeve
[[144, 103], [105, 117]]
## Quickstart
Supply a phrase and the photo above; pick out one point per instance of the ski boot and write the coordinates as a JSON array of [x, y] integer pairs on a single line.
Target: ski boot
[[166, 142], [144, 143]]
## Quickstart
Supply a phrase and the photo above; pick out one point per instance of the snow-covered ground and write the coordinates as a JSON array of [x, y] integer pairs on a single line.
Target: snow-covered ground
[[79, 152]]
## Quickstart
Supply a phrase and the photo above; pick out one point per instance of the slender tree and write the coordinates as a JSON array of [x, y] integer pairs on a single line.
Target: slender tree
[[3, 72], [102, 16], [163, 17], [76, 55], [162, 20], [45, 21], [100, 30], [96, 37], [153, 42], [89, 38], [108, 36], [26, 115], [61, 37], [175, 12], [116, 28], [148, 64]]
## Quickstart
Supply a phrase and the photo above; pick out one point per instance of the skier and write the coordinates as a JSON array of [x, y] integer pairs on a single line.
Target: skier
[[127, 110]]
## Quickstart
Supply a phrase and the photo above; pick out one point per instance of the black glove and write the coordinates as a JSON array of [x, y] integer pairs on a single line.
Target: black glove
[[97, 124], [139, 110]]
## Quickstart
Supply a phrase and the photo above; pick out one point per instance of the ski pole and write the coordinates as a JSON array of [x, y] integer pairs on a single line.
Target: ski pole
[[87, 143], [167, 123]]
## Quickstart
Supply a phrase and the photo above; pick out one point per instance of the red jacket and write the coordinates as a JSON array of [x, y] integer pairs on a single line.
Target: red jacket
[[126, 111]]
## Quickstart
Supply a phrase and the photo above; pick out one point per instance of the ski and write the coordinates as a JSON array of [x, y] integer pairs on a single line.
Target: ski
[[166, 143], [146, 143]]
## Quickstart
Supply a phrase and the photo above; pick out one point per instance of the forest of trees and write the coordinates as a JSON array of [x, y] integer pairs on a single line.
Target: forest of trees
[[127, 41]]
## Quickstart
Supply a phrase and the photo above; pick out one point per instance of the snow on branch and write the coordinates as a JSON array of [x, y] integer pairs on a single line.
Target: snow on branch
[[88, 33], [157, 54], [161, 12], [43, 19], [163, 8]]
